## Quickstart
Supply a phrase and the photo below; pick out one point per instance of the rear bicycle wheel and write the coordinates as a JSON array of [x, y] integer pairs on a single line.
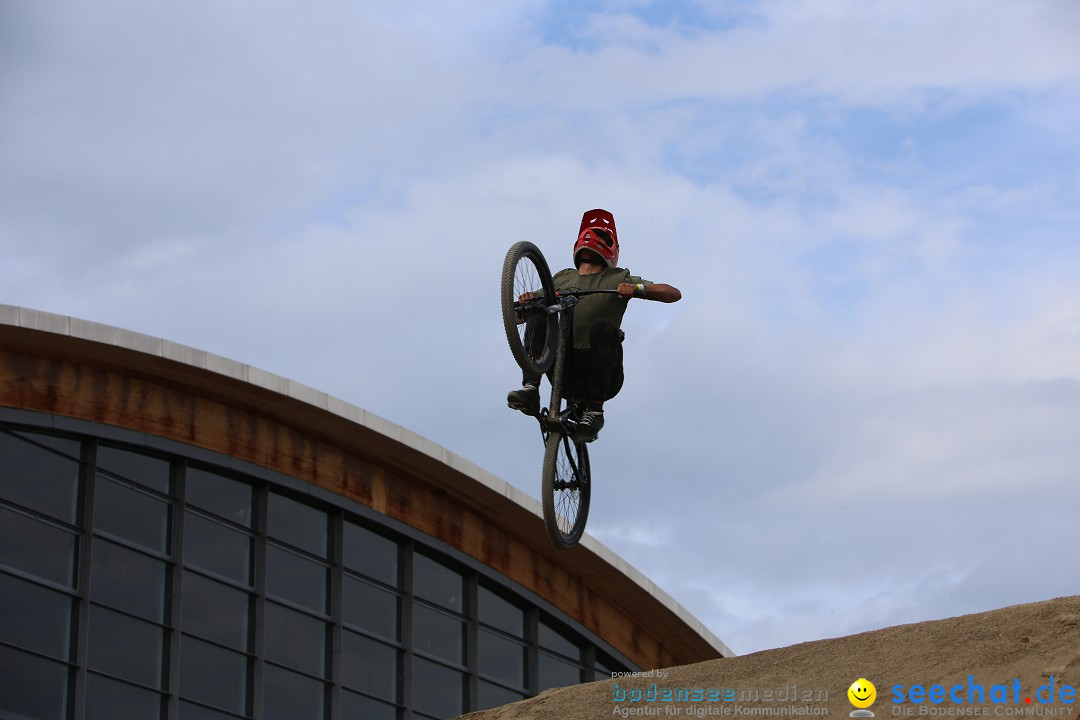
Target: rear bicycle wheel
[[531, 331], [566, 489]]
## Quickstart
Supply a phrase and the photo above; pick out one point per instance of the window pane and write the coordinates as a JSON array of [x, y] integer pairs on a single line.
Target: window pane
[[148, 471], [128, 581], [125, 647], [132, 515], [441, 690], [494, 696], [438, 634], [552, 639], [502, 658], [371, 608], [33, 687], [298, 525], [288, 696], [369, 666], [437, 583], [358, 706], [107, 699], [190, 711], [215, 611], [35, 618], [37, 548], [500, 613], [370, 554], [38, 479], [220, 495], [63, 445], [212, 675], [297, 579], [605, 667], [295, 640], [212, 546], [557, 673]]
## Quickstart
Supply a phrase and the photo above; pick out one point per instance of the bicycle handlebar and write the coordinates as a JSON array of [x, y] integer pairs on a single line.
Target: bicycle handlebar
[[579, 293], [564, 299]]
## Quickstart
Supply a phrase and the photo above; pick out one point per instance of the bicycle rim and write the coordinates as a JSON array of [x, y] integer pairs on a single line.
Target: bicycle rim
[[526, 270], [566, 489]]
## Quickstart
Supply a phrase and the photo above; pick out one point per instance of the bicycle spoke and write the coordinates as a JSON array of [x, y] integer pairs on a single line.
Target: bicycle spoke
[[526, 279], [526, 271], [568, 487]]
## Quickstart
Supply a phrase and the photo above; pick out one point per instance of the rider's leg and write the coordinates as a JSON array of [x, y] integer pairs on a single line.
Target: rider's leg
[[603, 375], [527, 397]]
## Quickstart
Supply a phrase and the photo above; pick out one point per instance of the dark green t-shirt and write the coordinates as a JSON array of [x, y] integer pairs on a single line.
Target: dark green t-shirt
[[595, 307]]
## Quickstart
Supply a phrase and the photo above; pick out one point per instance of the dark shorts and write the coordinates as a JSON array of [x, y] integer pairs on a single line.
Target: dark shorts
[[595, 374]]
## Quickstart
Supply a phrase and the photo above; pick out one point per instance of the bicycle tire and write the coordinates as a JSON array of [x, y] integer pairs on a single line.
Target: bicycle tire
[[526, 270], [567, 489]]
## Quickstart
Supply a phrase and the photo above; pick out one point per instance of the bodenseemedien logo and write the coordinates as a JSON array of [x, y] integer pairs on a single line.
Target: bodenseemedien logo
[[862, 694]]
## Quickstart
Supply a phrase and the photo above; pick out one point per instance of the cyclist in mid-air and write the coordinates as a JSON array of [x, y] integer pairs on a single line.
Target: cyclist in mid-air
[[596, 361]]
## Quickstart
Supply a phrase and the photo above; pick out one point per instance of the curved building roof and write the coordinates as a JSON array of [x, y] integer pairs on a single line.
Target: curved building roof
[[76, 368]]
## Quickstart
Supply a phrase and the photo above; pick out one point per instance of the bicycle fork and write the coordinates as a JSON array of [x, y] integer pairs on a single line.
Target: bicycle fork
[[551, 419]]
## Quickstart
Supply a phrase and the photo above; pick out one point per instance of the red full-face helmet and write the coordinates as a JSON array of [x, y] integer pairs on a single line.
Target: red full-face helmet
[[598, 234]]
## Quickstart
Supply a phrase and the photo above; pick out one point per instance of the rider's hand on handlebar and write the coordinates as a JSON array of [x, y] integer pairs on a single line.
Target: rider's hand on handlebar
[[626, 290], [526, 296]]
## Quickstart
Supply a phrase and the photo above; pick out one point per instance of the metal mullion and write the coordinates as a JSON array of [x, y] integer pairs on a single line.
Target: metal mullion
[[405, 581], [472, 640], [258, 629], [532, 632], [172, 669], [85, 547], [589, 659], [337, 609]]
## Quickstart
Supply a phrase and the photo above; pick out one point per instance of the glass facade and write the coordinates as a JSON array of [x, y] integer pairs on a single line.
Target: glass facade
[[148, 584]]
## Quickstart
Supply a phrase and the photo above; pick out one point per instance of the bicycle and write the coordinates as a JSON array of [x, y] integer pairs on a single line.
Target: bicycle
[[565, 479]]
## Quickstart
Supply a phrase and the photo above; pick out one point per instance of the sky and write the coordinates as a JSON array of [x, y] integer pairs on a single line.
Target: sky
[[864, 411]]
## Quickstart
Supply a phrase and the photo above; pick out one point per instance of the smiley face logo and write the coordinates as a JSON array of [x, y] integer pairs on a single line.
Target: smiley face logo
[[862, 693]]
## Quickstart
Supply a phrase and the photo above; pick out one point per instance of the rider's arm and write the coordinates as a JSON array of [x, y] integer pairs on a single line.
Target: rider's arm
[[654, 291]]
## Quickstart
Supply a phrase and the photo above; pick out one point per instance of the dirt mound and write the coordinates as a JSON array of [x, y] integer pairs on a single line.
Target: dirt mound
[[975, 659]]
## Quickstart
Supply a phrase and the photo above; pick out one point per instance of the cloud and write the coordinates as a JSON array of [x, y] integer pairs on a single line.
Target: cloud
[[870, 209], [854, 52]]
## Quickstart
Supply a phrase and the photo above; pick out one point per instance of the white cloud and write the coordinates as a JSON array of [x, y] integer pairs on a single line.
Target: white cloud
[[869, 207]]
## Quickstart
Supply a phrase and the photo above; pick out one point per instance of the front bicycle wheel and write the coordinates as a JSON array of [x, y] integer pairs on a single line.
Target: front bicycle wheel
[[566, 489], [531, 331]]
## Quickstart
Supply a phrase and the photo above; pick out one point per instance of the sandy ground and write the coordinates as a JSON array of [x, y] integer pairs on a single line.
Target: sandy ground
[[1029, 643]]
